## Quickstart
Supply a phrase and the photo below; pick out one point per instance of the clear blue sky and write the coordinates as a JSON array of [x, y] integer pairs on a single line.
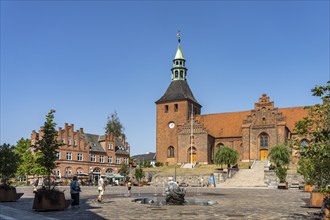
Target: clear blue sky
[[87, 59]]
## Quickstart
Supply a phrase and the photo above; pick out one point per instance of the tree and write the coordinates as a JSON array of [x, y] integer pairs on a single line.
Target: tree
[[124, 169], [27, 164], [280, 156], [114, 125], [226, 155], [316, 127], [139, 174], [47, 146], [8, 163]]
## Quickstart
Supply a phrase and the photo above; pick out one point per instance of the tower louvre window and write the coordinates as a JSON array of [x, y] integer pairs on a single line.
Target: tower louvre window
[[166, 108], [181, 74], [176, 107], [176, 74]]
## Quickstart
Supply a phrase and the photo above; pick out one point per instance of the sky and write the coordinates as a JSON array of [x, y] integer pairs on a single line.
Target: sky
[[89, 59]]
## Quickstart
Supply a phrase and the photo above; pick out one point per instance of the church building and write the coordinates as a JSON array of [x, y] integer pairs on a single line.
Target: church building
[[184, 135]]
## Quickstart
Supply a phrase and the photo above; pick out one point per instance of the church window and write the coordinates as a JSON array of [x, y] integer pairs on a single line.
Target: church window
[[176, 107], [181, 74], [170, 152], [176, 74], [176, 62], [263, 120], [264, 141], [180, 62], [166, 108]]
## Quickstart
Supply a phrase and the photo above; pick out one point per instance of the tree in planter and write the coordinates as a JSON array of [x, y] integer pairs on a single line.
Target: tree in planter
[[280, 156], [139, 174], [316, 127], [27, 164], [226, 155], [47, 146], [8, 164]]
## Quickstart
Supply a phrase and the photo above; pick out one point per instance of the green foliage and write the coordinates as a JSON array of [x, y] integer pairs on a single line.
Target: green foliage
[[139, 174], [124, 169], [306, 169], [146, 164], [316, 127], [27, 164], [226, 155], [47, 146], [8, 163], [159, 164], [114, 125], [280, 156]]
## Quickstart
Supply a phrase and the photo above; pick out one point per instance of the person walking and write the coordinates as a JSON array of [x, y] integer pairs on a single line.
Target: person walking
[[129, 187], [35, 186], [101, 188], [74, 191]]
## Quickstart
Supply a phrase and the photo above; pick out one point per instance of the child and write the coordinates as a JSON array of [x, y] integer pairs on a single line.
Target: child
[[129, 187]]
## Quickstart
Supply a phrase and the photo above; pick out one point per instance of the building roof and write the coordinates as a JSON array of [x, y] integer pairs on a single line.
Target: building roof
[[293, 115], [94, 143], [230, 124], [147, 157], [179, 54], [224, 124], [177, 91]]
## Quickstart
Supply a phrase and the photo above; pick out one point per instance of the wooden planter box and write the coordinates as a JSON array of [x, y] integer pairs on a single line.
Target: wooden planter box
[[309, 188], [316, 199], [326, 214], [50, 200], [283, 186], [9, 194]]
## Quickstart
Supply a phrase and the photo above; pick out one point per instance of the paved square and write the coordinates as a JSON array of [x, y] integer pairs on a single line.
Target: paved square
[[233, 203]]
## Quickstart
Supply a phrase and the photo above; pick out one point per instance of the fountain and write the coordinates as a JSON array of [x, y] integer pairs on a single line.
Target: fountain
[[174, 195]]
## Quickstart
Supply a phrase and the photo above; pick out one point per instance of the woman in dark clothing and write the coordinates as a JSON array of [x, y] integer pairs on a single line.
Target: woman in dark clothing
[[74, 191]]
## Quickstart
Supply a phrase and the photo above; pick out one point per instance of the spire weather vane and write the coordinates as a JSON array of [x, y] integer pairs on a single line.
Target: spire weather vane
[[178, 35]]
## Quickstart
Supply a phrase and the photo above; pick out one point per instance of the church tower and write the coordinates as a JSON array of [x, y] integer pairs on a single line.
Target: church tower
[[173, 110]]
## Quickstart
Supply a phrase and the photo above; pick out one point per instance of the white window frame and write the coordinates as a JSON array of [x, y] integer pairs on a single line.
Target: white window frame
[[117, 160], [110, 159], [93, 157], [58, 155], [101, 159], [80, 157], [68, 155]]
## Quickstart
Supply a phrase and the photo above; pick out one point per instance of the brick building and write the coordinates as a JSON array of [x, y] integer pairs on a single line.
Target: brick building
[[182, 140], [87, 154]]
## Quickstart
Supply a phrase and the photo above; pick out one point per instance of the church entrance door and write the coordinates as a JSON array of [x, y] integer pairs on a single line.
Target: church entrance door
[[263, 154]]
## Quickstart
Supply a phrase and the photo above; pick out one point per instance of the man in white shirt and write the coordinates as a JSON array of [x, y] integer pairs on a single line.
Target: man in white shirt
[[101, 188]]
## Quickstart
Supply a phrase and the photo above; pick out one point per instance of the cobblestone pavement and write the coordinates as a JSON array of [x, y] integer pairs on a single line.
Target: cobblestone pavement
[[232, 203]]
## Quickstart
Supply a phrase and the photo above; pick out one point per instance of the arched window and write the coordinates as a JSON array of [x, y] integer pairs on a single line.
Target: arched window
[[263, 141], [170, 152], [109, 170], [181, 74], [176, 74]]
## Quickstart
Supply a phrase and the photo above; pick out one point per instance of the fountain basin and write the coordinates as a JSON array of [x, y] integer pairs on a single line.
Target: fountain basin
[[159, 201]]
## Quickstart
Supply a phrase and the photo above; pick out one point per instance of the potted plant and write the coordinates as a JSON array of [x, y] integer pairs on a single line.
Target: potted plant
[[316, 128], [46, 198], [280, 156], [306, 169], [8, 167]]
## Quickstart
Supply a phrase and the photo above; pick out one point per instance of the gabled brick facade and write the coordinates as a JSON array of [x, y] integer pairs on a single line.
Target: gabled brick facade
[[87, 154]]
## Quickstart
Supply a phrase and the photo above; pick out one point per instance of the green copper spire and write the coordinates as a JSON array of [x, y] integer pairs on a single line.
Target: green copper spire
[[179, 71]]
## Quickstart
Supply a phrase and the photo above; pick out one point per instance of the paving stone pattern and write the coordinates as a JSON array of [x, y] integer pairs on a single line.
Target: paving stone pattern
[[233, 203]]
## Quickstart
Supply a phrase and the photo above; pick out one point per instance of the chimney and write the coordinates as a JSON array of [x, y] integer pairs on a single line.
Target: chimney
[[81, 130]]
